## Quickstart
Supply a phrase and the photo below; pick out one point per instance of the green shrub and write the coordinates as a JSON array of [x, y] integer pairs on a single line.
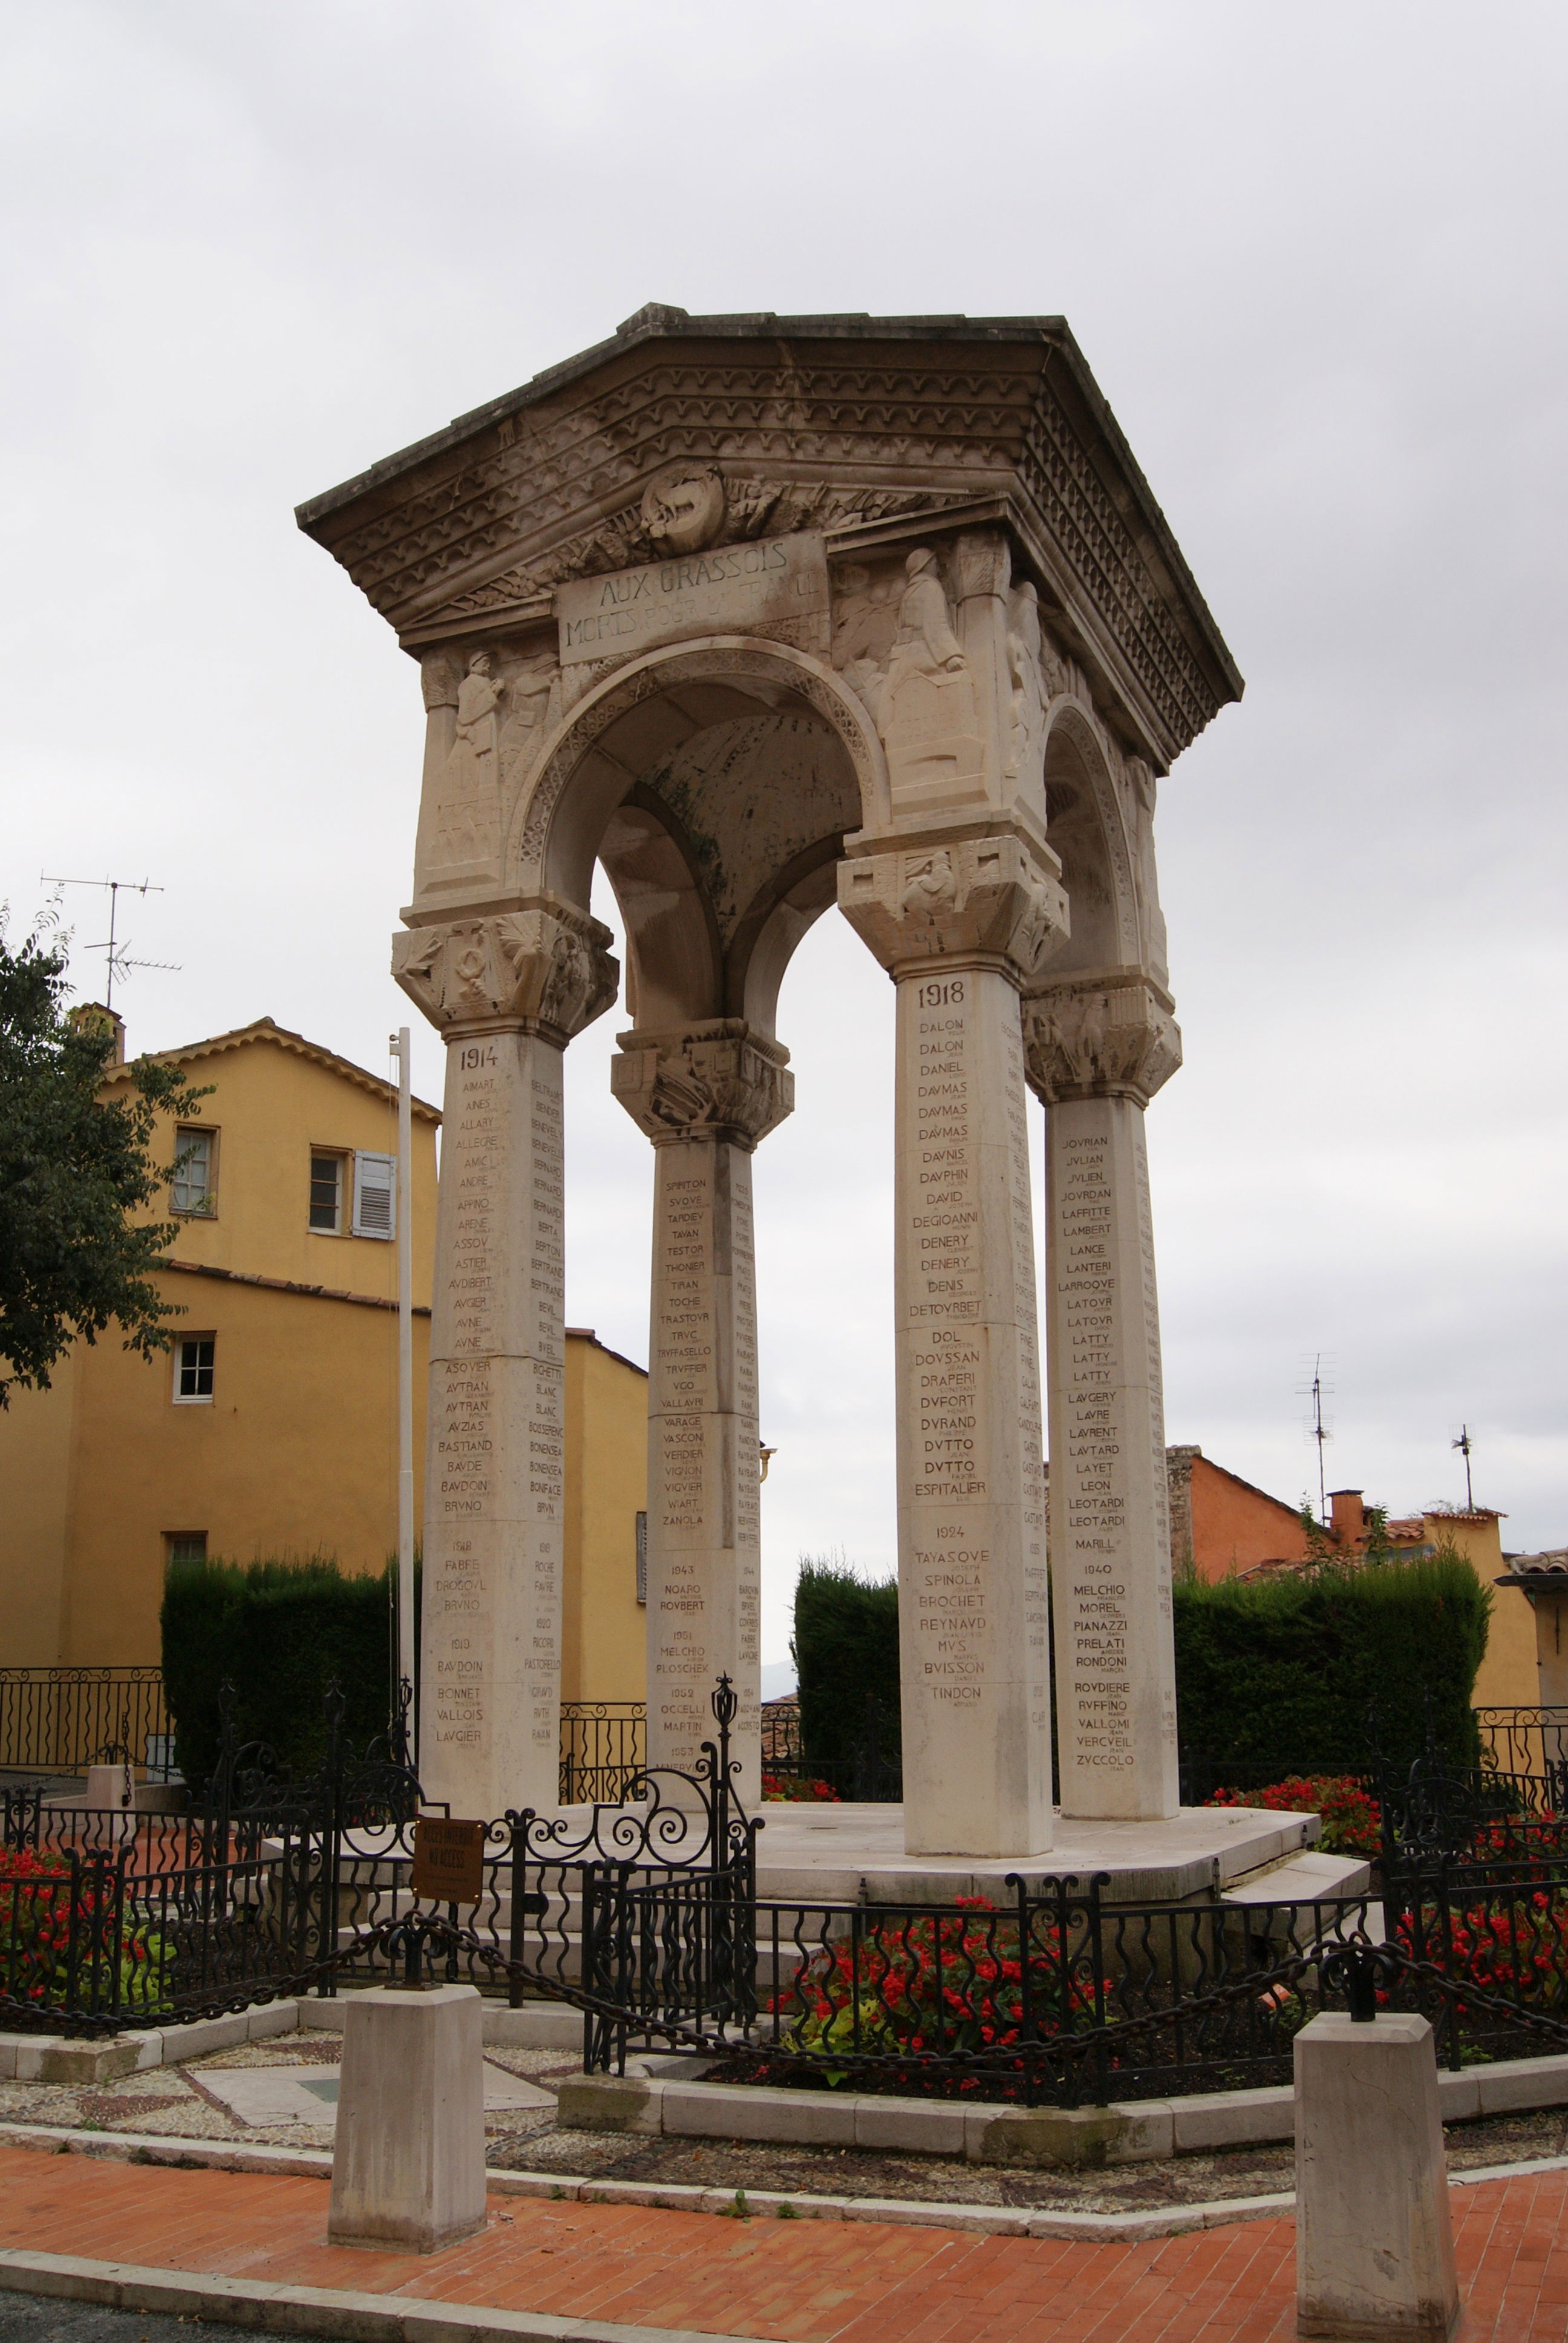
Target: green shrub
[[280, 1631], [1277, 1674], [846, 1650], [1274, 1675]]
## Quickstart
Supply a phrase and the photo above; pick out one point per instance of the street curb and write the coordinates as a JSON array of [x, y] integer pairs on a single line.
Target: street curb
[[313, 2310], [674, 2196]]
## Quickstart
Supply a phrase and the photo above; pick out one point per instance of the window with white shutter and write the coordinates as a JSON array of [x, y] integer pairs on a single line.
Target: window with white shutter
[[375, 1195]]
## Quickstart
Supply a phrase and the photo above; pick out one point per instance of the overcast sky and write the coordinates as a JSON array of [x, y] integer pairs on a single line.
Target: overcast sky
[[1315, 258]]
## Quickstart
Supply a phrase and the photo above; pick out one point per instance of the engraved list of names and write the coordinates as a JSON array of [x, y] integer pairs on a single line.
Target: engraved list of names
[[971, 1563], [1110, 1518], [495, 1468]]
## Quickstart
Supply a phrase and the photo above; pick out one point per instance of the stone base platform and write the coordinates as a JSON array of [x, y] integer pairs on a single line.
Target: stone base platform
[[837, 1851]]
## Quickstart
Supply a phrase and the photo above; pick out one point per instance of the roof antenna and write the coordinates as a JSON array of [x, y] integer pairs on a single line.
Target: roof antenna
[[1463, 1445], [1317, 1391], [120, 964]]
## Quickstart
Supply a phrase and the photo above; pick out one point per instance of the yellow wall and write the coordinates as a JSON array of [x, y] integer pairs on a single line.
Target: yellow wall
[[297, 1452], [1508, 1676], [603, 1630], [35, 1433], [271, 1104]]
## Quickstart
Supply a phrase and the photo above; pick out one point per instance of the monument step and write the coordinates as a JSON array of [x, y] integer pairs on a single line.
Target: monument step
[[1312, 1877]]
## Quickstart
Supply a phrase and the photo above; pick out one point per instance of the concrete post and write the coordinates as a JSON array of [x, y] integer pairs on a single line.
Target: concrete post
[[408, 2159], [1374, 2243], [705, 1096]]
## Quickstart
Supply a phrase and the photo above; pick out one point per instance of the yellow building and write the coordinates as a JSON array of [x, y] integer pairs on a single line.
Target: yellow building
[[270, 1428], [1508, 1676]]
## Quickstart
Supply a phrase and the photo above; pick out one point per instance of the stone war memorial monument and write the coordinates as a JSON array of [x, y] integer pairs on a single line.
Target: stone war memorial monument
[[765, 615]]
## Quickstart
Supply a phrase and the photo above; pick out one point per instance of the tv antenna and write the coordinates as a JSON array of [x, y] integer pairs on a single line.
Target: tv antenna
[[1464, 1446], [120, 963], [1317, 1391]]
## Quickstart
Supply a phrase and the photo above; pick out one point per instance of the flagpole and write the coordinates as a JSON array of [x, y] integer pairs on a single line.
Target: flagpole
[[405, 1379]]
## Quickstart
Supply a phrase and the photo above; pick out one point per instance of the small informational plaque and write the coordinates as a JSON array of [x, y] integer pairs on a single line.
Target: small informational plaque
[[448, 1860], [720, 592]]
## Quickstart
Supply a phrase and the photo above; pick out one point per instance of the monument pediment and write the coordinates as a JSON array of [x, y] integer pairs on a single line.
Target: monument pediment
[[688, 435]]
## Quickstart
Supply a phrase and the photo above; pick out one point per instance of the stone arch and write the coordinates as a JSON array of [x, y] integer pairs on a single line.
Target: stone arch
[[716, 782], [1087, 826]]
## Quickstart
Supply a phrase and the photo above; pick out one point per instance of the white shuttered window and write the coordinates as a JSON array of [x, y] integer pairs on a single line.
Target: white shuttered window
[[375, 1195]]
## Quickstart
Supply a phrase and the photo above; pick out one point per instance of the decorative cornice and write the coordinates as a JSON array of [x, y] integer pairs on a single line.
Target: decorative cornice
[[805, 418]]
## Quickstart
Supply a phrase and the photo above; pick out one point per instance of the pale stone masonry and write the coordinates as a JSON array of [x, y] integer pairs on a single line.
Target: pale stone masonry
[[509, 994], [1109, 1495], [704, 1098], [755, 614]]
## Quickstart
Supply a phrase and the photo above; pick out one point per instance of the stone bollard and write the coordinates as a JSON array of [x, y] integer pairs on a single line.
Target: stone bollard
[[409, 2160], [112, 1789], [1375, 2244]]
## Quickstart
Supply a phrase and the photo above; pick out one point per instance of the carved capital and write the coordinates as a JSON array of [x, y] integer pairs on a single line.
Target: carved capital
[[977, 896], [720, 1079], [546, 971], [1112, 1038]]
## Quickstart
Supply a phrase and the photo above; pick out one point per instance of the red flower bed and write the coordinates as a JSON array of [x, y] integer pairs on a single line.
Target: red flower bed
[[796, 1789], [36, 1937], [938, 1986], [1353, 1822]]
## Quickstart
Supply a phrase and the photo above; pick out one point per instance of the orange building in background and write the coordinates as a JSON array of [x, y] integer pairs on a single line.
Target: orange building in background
[[1221, 1526]]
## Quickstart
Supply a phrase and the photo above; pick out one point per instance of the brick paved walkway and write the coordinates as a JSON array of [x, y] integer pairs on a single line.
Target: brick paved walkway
[[789, 2281]]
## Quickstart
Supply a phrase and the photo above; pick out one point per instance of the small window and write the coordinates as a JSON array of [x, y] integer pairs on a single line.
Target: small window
[[375, 1195], [193, 1355], [193, 1189], [642, 1557], [184, 1545], [327, 1194]]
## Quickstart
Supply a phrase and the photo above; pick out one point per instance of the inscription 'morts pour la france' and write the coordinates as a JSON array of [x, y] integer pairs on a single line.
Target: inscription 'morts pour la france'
[[715, 593]]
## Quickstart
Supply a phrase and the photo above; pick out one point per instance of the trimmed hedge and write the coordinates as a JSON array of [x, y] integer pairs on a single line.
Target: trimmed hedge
[[1274, 1675], [846, 1649], [280, 1631]]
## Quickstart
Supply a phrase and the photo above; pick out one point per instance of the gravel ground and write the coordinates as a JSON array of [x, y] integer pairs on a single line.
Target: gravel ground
[[171, 2100]]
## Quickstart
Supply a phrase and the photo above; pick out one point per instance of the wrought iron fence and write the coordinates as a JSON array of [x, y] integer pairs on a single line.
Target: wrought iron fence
[[604, 1747], [62, 1720], [1527, 1744], [644, 1916]]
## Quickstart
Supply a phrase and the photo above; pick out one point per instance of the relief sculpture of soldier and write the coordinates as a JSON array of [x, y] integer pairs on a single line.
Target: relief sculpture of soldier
[[467, 807], [926, 641], [929, 725]]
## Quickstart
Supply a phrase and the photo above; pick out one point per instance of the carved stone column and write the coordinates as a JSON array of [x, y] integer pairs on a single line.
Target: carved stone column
[[1097, 1052], [508, 992], [705, 1096], [959, 925]]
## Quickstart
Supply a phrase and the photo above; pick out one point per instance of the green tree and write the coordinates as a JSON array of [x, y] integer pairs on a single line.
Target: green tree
[[74, 1170]]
